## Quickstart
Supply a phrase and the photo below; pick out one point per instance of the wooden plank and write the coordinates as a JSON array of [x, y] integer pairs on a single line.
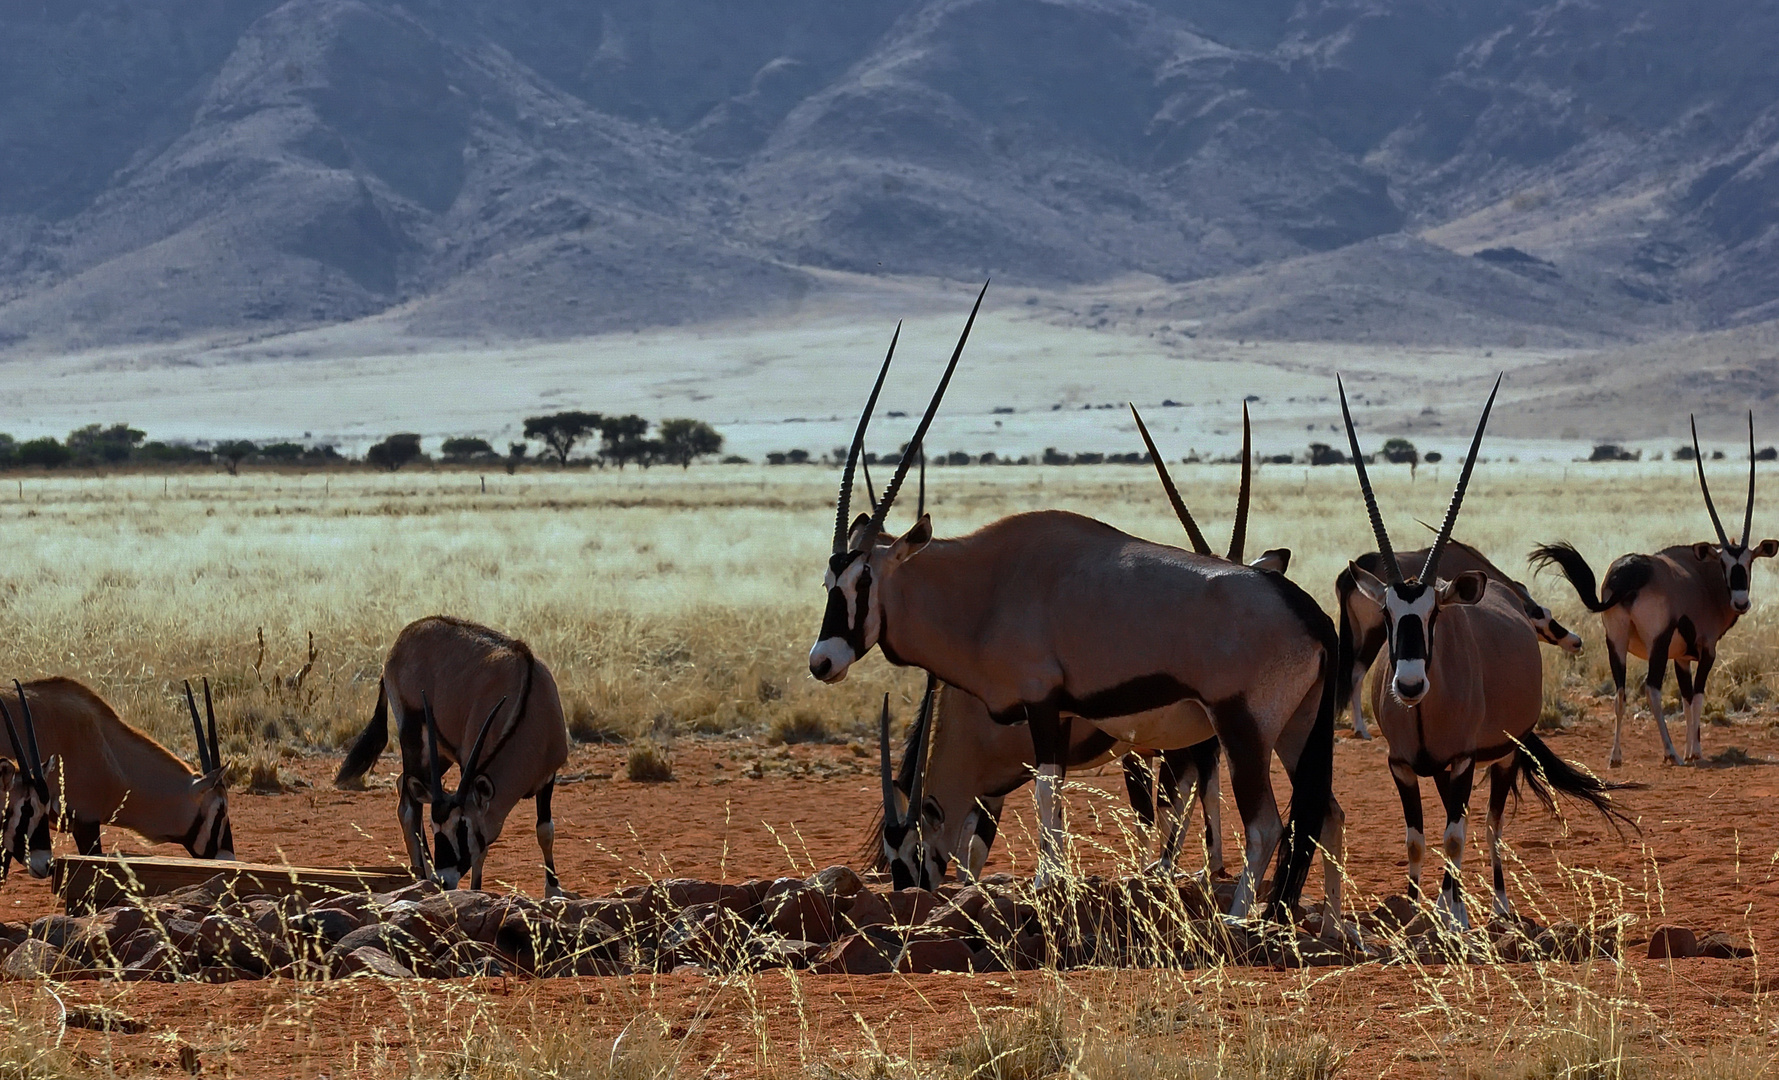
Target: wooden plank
[[94, 882]]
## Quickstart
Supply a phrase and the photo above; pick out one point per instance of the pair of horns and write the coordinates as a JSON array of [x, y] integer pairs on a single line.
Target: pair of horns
[[1239, 535], [892, 817], [915, 448], [30, 763], [209, 754], [1429, 569], [436, 765], [1748, 514], [920, 506]]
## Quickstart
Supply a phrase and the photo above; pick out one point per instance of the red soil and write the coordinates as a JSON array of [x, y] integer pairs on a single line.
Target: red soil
[[1706, 859]]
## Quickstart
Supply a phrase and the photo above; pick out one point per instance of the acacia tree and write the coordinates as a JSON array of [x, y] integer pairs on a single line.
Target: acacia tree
[[622, 439], [394, 452], [684, 440], [233, 452], [561, 431]]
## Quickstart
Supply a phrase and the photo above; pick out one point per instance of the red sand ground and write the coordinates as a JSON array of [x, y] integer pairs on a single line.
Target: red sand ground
[[1709, 834]]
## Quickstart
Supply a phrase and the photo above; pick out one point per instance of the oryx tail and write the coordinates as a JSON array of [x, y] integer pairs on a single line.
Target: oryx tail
[[1540, 766], [369, 745], [1622, 583]]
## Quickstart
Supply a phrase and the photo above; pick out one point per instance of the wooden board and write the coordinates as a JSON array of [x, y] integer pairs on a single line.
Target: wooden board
[[94, 882]]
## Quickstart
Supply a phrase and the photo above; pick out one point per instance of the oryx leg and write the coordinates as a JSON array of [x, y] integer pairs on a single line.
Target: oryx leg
[[1694, 736], [1454, 784], [1683, 682], [1334, 829], [1250, 775], [1139, 786], [1615, 658], [1652, 687], [408, 811], [1408, 788], [1502, 775], [1359, 727], [546, 841], [980, 827], [86, 836], [1050, 750]]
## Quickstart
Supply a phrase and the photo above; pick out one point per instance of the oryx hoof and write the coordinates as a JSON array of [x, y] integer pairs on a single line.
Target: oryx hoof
[[1615, 762], [1361, 733]]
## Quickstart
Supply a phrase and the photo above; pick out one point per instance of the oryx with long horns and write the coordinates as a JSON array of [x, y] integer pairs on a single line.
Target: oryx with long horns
[[1362, 630], [80, 767], [1048, 613], [1464, 688], [1673, 605], [453, 684]]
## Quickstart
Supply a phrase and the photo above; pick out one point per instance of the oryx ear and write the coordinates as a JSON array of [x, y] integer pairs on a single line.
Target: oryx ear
[[1704, 552], [855, 536], [8, 773], [1466, 588], [417, 790], [212, 779], [1766, 549], [481, 792], [1274, 562], [909, 543], [1368, 583]]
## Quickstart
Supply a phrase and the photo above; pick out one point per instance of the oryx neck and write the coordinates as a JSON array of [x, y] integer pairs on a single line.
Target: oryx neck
[[932, 607]]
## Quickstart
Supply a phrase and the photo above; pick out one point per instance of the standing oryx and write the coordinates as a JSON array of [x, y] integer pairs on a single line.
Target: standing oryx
[[1673, 605], [453, 684], [1362, 630], [1047, 613], [81, 765], [1465, 688]]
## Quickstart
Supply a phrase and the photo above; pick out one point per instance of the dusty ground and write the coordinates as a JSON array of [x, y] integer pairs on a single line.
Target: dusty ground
[[1706, 859]]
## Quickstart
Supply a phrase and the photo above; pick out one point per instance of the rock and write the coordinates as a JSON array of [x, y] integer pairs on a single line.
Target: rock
[[1566, 942], [1029, 952], [325, 925], [910, 906], [58, 930], [837, 881], [367, 961], [419, 890], [772, 951], [856, 954], [235, 942], [707, 935], [989, 959], [182, 934], [665, 899], [1396, 914], [1721, 945], [963, 914], [160, 962], [802, 913], [391, 941], [201, 897], [224, 973], [935, 954], [35, 958], [866, 909], [622, 915]]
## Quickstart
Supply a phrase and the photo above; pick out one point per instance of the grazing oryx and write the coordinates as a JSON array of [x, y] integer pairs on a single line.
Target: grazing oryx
[[1673, 605], [81, 767], [1362, 630], [971, 764], [1048, 613], [469, 674], [1464, 690]]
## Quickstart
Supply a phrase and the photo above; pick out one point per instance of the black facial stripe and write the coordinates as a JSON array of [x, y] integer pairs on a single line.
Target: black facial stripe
[[834, 617], [1738, 578], [1409, 642]]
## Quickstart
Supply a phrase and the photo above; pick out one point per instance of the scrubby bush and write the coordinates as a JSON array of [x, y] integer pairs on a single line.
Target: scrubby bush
[[45, 452], [683, 441], [1400, 451], [233, 452], [394, 452], [466, 448]]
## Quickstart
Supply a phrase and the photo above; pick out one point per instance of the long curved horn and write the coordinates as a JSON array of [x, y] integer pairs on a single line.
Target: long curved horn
[[18, 748], [197, 727], [870, 492], [1699, 460], [920, 504], [210, 716], [1238, 536], [890, 814], [1377, 519], [435, 768], [1167, 484], [926, 421], [844, 505], [1748, 515], [1431, 567], [474, 760], [922, 724], [31, 736]]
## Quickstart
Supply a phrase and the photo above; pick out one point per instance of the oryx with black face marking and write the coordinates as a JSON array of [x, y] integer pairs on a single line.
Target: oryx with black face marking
[[80, 767], [453, 684], [1045, 613], [1673, 605], [1464, 687], [1362, 630]]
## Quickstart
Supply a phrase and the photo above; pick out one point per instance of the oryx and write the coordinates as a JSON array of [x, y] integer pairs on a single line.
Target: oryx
[[453, 684], [1464, 689], [1362, 630], [1044, 613], [1673, 605], [80, 767]]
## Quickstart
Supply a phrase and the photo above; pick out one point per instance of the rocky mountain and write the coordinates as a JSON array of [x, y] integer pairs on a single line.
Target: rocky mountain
[[1568, 172]]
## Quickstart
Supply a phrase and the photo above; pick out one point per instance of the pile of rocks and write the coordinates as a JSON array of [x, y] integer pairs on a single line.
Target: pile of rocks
[[828, 923]]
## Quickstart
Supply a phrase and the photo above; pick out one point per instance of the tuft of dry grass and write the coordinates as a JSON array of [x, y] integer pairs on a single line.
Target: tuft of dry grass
[[649, 762], [802, 726], [1028, 1045]]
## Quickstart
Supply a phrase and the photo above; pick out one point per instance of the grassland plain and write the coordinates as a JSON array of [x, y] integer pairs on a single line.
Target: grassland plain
[[677, 605]]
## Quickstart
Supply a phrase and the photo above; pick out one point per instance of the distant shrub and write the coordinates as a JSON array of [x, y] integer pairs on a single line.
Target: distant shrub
[[466, 448], [233, 452], [161, 453], [1767, 453], [45, 452], [802, 726], [1089, 458], [735, 459], [957, 457], [989, 458], [93, 445], [1433, 457], [282, 452], [683, 441], [648, 763], [1400, 451], [1613, 452], [1051, 457], [797, 457], [394, 452], [1323, 454]]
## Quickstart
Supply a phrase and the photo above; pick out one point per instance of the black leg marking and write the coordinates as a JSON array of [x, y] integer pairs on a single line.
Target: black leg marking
[[1139, 787], [1683, 677], [1454, 791], [1408, 788], [1658, 659], [1502, 775], [1616, 661], [546, 837]]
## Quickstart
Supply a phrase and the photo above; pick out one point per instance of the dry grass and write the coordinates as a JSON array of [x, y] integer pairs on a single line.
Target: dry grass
[[649, 762]]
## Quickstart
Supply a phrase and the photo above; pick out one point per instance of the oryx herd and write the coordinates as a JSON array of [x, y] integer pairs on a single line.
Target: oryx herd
[[1098, 643]]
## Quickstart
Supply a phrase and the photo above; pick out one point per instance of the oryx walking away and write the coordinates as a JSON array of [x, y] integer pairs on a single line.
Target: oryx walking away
[[1464, 689], [1673, 605], [454, 685], [1362, 631], [80, 767], [1045, 613]]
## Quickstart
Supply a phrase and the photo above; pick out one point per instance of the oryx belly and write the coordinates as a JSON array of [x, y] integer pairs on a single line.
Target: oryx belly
[[1171, 727]]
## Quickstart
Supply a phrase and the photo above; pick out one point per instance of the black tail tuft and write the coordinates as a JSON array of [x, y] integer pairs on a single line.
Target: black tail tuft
[[368, 747], [1546, 773], [1312, 785], [1564, 557]]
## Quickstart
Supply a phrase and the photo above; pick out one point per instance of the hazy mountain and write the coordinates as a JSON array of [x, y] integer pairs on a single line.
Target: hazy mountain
[[1568, 172]]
